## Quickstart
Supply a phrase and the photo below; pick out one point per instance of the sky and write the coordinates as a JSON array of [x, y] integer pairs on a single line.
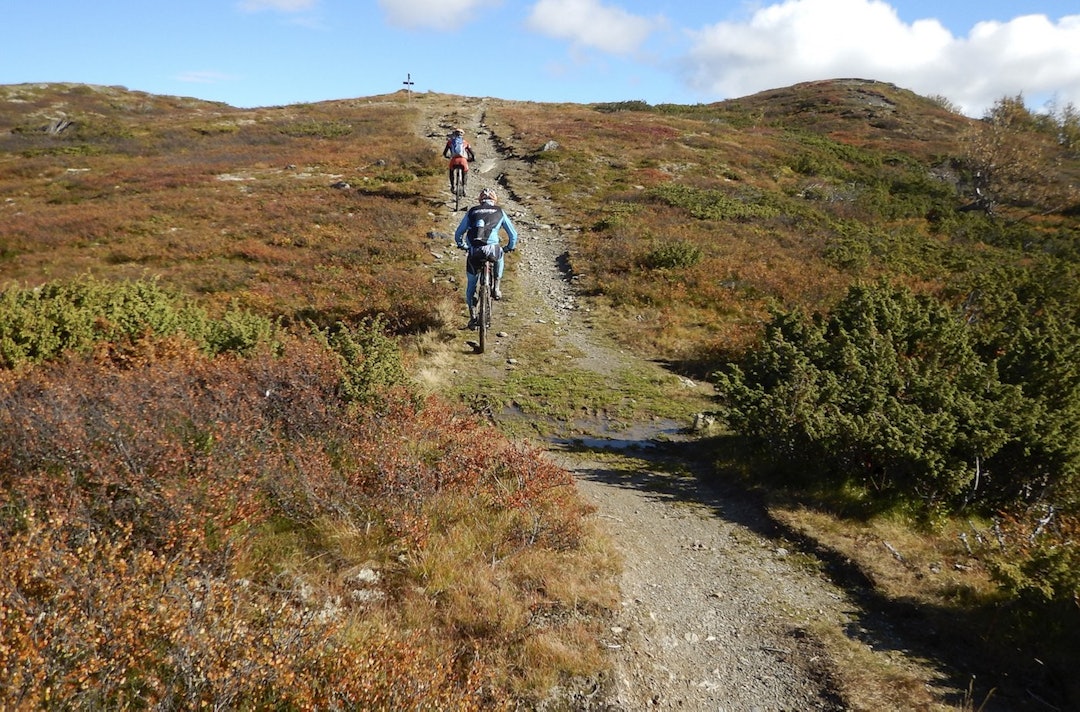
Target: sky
[[261, 53]]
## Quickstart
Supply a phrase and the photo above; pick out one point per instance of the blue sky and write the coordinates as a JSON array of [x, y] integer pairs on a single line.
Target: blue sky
[[251, 53]]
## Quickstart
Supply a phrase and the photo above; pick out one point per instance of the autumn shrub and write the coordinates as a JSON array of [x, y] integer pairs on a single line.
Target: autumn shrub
[[371, 359], [143, 512], [1012, 162], [887, 392], [1037, 557], [93, 622], [706, 204], [673, 254], [849, 153], [44, 322], [900, 402], [1026, 319], [126, 494], [916, 193], [849, 250], [809, 164], [616, 106], [316, 129], [1033, 554]]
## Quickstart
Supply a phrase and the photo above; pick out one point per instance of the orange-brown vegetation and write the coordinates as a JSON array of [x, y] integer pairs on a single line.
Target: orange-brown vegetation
[[180, 529], [233, 205], [791, 195], [190, 531]]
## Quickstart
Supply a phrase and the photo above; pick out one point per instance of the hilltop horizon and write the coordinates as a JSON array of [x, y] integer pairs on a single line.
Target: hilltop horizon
[[627, 102], [260, 53]]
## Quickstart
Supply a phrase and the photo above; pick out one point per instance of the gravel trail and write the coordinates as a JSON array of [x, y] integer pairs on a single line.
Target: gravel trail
[[714, 612]]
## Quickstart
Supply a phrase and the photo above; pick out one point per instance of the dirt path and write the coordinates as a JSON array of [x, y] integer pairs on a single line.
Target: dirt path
[[715, 614]]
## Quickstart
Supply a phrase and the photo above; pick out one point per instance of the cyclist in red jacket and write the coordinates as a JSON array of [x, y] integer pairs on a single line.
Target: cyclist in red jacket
[[459, 152]]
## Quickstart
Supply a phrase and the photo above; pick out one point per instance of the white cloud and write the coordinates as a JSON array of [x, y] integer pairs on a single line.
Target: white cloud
[[436, 14], [1029, 55], [282, 5], [804, 40], [589, 23]]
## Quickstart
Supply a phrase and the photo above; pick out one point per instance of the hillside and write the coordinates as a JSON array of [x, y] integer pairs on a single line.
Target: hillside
[[833, 181], [658, 243]]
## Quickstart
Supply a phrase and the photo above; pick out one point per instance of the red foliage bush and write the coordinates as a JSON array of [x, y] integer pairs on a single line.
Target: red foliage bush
[[132, 501]]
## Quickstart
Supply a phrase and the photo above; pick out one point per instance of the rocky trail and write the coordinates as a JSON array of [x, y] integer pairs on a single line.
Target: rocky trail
[[716, 614]]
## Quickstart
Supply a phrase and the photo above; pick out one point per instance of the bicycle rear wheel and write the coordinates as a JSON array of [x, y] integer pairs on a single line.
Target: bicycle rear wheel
[[459, 186], [483, 306]]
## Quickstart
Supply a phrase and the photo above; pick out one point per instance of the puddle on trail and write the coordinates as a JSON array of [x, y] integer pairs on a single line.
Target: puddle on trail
[[602, 434], [636, 437]]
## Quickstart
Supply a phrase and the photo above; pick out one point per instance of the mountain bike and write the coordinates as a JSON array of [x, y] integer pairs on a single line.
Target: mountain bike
[[457, 180]]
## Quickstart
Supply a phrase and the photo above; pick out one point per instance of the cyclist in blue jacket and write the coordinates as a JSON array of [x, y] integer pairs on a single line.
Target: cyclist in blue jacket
[[478, 233]]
